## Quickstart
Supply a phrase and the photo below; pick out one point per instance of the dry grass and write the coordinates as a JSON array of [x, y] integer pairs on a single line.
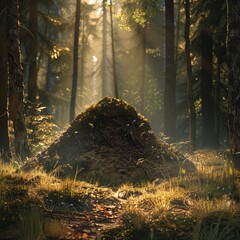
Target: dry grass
[[214, 188], [175, 208]]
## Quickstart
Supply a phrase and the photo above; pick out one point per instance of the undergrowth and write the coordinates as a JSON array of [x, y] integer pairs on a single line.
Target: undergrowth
[[199, 206], [182, 207], [42, 131]]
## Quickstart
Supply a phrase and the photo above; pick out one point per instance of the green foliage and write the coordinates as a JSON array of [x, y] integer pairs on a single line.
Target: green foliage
[[42, 131], [138, 12]]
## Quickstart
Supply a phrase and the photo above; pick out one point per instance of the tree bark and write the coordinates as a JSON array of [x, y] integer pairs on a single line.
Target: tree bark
[[207, 89], [32, 53], [170, 78], [75, 61], [192, 114], [177, 36], [217, 95], [82, 68], [104, 51], [143, 77], [113, 54], [233, 54], [4, 139], [16, 105]]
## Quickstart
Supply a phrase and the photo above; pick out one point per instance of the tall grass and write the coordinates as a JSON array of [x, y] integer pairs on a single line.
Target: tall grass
[[31, 225], [213, 188], [201, 206], [218, 225]]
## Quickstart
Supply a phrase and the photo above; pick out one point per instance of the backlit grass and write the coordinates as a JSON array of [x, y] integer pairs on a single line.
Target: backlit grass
[[196, 206]]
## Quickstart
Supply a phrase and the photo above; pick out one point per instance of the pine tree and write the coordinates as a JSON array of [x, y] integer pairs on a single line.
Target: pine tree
[[4, 139], [104, 51], [115, 83], [170, 77], [207, 88], [16, 105], [75, 61], [233, 48], [33, 51], [191, 106]]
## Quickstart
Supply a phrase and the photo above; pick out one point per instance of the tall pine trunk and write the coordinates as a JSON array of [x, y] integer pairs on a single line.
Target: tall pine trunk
[[233, 54], [82, 68], [170, 77], [104, 51], [191, 106], [32, 52], [143, 63], [115, 83], [75, 61], [177, 36], [16, 105], [207, 89], [4, 139], [217, 95]]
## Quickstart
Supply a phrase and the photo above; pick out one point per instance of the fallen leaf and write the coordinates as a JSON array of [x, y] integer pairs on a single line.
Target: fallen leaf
[[85, 236]]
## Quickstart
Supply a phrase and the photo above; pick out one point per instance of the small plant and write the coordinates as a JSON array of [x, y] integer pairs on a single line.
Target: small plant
[[218, 226], [205, 206], [42, 131], [31, 224]]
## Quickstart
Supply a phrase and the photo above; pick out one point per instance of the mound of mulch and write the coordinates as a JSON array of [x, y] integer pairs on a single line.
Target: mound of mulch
[[110, 143]]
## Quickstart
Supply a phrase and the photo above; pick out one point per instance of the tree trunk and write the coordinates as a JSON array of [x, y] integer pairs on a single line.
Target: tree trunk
[[49, 75], [192, 114], [32, 53], [170, 78], [16, 106], [233, 54], [207, 89], [113, 54], [104, 51], [217, 95], [82, 68], [4, 139], [177, 36], [143, 77], [75, 62]]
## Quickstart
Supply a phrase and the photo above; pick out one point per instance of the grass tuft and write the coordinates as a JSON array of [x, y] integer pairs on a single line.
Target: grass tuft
[[201, 206]]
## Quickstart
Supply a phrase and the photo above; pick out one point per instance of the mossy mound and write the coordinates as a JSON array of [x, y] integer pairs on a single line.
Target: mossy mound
[[111, 143]]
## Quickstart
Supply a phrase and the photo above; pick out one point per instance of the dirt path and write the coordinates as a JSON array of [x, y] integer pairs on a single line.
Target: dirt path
[[92, 223]]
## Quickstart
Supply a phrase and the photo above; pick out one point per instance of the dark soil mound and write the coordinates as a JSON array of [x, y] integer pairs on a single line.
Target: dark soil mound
[[110, 143]]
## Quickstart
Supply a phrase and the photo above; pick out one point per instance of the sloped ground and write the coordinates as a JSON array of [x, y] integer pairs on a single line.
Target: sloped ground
[[110, 143]]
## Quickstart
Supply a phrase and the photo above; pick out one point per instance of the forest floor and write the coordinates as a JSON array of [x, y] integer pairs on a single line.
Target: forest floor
[[201, 205], [108, 176]]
